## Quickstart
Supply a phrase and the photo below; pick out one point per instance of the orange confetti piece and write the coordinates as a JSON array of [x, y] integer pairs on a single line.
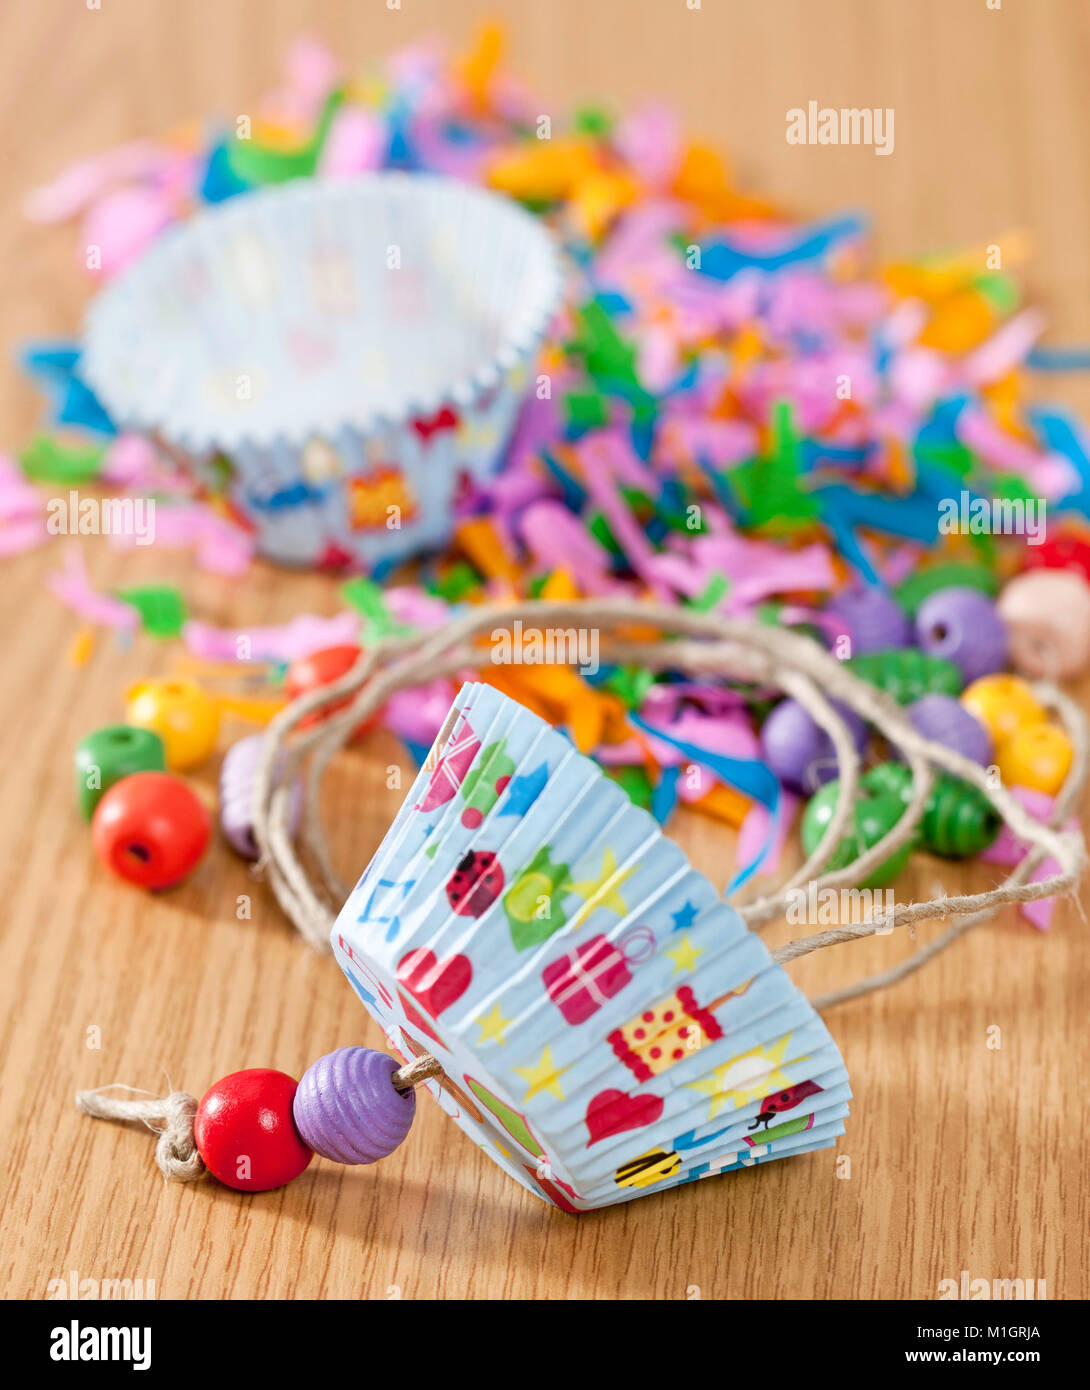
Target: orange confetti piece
[[560, 586], [477, 537], [725, 804], [599, 198], [478, 67]]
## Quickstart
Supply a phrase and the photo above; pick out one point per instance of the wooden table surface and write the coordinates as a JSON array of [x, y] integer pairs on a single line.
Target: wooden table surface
[[962, 1156]]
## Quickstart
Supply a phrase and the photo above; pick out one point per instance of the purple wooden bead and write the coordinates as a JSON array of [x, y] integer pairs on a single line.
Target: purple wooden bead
[[237, 775], [798, 752], [963, 626], [872, 620], [346, 1107], [945, 720]]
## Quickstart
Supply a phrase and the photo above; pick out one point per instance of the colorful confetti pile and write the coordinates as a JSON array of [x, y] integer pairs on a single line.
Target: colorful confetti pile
[[735, 412]]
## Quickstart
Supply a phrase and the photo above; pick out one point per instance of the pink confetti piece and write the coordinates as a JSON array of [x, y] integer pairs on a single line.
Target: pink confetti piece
[[120, 226], [754, 830], [73, 588], [650, 139], [19, 499], [355, 144], [23, 534], [283, 642], [81, 183], [558, 540], [417, 715], [1005, 349]]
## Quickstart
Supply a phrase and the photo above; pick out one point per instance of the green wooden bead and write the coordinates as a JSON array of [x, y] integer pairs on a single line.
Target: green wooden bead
[[907, 673], [109, 754], [958, 820], [876, 812]]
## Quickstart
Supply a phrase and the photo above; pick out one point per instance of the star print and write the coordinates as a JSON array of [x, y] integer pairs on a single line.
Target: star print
[[602, 891], [492, 1025], [544, 1077], [684, 916], [524, 790], [684, 955]]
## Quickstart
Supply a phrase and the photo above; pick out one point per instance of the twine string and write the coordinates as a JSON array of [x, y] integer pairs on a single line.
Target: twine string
[[702, 643], [172, 1116]]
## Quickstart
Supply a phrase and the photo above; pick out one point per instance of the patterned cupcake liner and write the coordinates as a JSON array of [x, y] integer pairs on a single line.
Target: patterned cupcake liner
[[607, 1024], [334, 360]]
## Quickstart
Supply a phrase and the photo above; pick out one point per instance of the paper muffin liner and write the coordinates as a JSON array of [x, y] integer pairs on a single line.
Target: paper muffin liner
[[333, 359], [608, 1025]]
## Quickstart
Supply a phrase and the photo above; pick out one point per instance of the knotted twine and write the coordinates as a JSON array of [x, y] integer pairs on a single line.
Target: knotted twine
[[172, 1116], [696, 644]]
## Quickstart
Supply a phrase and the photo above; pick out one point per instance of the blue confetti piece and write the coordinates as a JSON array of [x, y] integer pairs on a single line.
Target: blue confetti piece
[[750, 776], [220, 181], [53, 366], [1059, 359], [722, 259], [664, 797]]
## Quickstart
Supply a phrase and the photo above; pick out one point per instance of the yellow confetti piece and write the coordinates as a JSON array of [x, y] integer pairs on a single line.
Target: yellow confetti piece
[[80, 651], [255, 709], [599, 198], [560, 585], [546, 170]]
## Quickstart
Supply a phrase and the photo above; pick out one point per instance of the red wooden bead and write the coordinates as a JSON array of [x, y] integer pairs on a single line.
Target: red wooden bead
[[323, 668], [1065, 551], [245, 1132], [151, 829]]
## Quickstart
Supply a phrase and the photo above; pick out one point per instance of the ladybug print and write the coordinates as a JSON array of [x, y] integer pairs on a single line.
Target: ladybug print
[[779, 1101], [476, 883]]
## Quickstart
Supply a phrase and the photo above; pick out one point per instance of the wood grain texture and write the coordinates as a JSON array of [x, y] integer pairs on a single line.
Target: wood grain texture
[[961, 1157]]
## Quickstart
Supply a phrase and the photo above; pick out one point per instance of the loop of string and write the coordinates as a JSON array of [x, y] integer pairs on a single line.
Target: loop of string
[[698, 644]]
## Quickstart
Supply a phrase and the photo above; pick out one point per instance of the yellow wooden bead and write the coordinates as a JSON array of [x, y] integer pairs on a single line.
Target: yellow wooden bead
[[1003, 704], [1038, 756], [184, 716]]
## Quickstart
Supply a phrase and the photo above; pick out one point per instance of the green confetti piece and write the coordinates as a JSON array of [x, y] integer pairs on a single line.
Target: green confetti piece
[[1009, 487], [585, 410], [536, 585], [631, 684], [592, 120], [713, 593], [955, 457], [635, 782], [461, 579], [161, 607], [955, 575], [256, 163], [365, 596], [607, 356], [47, 460], [769, 487], [999, 290], [600, 529]]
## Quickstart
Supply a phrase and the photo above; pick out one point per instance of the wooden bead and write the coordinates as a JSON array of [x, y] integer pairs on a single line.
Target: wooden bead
[[184, 716], [245, 1131], [1038, 756], [151, 829], [1003, 704], [346, 1107], [1047, 613], [108, 755]]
